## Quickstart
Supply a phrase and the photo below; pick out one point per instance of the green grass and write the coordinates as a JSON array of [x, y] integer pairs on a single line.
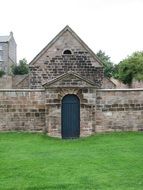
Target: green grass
[[102, 162]]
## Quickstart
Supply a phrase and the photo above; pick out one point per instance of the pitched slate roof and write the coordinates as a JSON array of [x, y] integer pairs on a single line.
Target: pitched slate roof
[[4, 38], [67, 28]]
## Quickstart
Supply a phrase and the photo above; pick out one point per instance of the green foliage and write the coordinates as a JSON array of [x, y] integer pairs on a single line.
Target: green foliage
[[108, 65], [104, 161], [20, 69], [2, 73], [130, 68]]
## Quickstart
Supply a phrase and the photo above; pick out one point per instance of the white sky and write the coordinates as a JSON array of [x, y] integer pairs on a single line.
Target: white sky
[[114, 26]]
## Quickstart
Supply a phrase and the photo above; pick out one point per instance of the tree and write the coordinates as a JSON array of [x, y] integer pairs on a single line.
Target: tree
[[108, 65], [20, 69], [2, 73], [130, 68]]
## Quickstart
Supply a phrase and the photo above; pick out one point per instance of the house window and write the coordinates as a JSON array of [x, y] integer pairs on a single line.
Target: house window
[[67, 52]]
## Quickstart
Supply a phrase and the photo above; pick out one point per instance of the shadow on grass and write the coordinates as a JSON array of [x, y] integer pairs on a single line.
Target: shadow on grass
[[55, 187], [60, 187]]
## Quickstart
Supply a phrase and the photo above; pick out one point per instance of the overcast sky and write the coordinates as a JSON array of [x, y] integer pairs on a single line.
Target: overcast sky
[[114, 26]]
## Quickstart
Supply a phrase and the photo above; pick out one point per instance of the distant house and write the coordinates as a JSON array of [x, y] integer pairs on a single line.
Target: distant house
[[8, 52]]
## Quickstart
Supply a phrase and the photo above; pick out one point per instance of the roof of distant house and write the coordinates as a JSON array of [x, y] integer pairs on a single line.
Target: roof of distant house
[[6, 38]]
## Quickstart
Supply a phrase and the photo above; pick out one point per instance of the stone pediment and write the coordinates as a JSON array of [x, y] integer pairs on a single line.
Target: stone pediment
[[69, 79]]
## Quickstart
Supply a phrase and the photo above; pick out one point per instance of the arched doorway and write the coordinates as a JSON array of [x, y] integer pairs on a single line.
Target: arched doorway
[[70, 116]]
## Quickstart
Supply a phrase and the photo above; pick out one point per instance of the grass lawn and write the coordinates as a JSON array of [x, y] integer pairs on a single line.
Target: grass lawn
[[101, 162]]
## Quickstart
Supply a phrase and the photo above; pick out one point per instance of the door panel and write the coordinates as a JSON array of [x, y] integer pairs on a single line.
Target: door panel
[[70, 116]]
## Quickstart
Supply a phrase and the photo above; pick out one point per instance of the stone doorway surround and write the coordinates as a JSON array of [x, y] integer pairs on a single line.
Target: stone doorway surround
[[55, 90]]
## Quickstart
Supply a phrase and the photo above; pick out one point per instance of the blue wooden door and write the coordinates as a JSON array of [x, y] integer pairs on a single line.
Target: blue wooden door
[[70, 117]]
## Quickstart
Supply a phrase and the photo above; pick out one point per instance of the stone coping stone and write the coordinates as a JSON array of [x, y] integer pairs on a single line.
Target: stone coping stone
[[43, 90], [22, 90], [126, 89]]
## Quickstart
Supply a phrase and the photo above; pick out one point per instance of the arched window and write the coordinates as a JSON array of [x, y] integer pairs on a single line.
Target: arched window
[[67, 52]]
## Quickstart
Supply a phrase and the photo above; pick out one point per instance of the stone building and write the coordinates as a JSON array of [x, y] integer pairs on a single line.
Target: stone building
[[66, 95], [8, 52], [70, 73], [66, 52], [67, 68]]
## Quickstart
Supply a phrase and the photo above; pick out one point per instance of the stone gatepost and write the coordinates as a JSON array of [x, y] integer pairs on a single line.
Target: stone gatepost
[[52, 112]]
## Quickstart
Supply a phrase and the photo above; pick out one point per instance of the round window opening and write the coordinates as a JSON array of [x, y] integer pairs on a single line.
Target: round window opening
[[67, 52]]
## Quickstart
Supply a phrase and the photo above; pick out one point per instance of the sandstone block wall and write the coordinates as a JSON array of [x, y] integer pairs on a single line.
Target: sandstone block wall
[[108, 84], [53, 63], [137, 84], [22, 110], [14, 82], [6, 82], [119, 110], [79, 63], [20, 82], [53, 99], [101, 110]]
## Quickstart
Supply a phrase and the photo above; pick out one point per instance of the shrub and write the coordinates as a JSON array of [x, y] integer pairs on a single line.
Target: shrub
[[20, 69], [2, 73]]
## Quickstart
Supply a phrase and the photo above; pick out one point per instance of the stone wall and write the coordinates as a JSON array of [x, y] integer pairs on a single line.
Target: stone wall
[[137, 84], [79, 62], [14, 82], [6, 82], [53, 99], [20, 81], [53, 63], [108, 84], [120, 85], [22, 110], [119, 110], [101, 110]]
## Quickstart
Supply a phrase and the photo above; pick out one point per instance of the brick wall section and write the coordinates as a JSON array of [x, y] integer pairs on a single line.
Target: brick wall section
[[119, 110], [22, 110]]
